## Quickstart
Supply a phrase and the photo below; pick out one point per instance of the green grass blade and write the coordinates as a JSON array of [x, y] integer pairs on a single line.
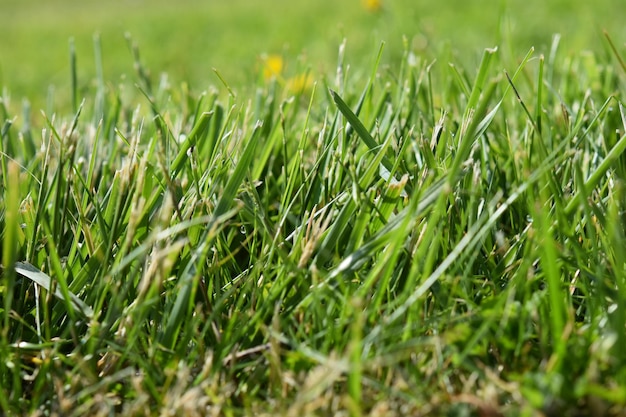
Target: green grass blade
[[32, 273], [359, 128], [238, 175]]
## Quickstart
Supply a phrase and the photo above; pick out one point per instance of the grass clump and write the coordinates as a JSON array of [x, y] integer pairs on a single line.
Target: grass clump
[[415, 238]]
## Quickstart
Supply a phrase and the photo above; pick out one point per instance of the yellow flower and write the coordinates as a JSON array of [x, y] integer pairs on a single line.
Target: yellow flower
[[373, 5], [300, 84], [272, 66]]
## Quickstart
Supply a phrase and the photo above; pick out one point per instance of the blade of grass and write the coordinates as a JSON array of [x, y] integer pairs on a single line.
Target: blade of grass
[[602, 169], [359, 128], [10, 242], [615, 52], [43, 280], [238, 175], [74, 77]]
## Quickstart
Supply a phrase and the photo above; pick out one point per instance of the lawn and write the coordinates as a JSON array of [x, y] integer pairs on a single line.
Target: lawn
[[191, 37], [312, 208]]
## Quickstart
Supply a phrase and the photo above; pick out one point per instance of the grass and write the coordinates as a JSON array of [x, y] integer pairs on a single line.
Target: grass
[[398, 237], [190, 38]]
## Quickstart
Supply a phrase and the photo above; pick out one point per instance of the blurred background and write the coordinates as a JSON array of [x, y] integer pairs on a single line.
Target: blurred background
[[187, 38]]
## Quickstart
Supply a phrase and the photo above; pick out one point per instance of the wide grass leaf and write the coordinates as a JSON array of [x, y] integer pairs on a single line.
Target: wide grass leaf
[[29, 271]]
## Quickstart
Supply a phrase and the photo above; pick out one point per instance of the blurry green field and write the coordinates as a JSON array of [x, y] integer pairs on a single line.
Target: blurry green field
[[188, 38], [436, 230]]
